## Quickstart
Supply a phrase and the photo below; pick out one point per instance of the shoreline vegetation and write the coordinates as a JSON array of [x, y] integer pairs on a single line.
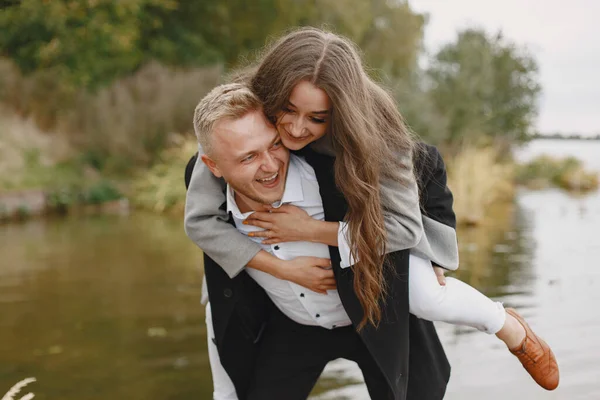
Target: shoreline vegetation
[[479, 178], [560, 136]]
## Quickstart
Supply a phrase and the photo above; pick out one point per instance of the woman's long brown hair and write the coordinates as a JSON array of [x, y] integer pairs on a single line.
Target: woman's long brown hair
[[370, 140]]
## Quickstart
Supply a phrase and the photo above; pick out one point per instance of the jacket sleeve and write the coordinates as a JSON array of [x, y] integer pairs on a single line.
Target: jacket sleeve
[[401, 216], [206, 223], [400, 202], [401, 212], [436, 197], [439, 243]]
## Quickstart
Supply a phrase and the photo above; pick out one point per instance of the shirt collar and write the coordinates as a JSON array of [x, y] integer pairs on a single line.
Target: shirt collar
[[292, 193]]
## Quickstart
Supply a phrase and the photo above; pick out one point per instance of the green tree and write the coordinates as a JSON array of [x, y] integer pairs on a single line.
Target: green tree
[[388, 33], [85, 43], [485, 88]]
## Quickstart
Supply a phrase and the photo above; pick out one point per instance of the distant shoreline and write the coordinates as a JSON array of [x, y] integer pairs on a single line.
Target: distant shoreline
[[561, 137]]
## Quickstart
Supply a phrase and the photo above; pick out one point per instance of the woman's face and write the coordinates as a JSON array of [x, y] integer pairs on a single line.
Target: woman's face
[[306, 117]]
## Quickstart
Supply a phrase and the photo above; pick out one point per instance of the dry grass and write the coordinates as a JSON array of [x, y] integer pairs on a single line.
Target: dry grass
[[122, 126], [477, 181], [25, 150], [162, 189], [131, 120]]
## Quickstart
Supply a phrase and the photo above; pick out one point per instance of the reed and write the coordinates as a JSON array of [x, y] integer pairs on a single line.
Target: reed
[[478, 179], [14, 391]]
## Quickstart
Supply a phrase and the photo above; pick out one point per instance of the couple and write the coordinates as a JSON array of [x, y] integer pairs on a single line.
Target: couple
[[307, 255]]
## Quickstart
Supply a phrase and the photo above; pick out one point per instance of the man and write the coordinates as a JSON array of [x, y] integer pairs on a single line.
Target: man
[[306, 329]]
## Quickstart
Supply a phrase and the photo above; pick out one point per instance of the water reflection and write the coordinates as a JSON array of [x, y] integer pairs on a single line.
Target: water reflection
[[496, 257], [82, 301]]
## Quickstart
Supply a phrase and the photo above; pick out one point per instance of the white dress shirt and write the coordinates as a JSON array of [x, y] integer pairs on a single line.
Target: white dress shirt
[[297, 302]]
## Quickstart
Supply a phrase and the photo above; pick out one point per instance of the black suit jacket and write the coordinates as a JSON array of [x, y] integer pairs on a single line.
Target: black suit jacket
[[400, 344]]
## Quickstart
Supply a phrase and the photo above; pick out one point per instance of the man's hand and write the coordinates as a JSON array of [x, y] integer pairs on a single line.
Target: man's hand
[[439, 273], [310, 272]]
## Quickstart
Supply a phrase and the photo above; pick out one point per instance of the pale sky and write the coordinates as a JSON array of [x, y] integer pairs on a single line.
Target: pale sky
[[564, 37]]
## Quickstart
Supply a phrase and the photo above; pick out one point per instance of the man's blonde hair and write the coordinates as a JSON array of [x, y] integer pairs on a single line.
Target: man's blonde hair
[[233, 100]]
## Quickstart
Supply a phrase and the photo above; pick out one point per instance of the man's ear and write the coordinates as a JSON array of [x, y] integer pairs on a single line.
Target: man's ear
[[211, 165]]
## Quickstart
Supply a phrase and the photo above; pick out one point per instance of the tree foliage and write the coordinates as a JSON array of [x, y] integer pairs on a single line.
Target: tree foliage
[[478, 87], [92, 42], [484, 87], [86, 43]]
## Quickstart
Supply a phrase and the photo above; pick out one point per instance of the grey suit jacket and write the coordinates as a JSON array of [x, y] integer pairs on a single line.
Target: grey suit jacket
[[206, 223]]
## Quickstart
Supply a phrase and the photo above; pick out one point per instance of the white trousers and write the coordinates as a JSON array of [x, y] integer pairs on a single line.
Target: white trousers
[[223, 388], [455, 303]]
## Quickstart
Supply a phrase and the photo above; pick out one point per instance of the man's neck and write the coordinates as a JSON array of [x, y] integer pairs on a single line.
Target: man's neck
[[245, 204]]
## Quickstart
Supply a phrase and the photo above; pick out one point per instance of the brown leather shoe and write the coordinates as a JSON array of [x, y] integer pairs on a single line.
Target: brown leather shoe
[[536, 356]]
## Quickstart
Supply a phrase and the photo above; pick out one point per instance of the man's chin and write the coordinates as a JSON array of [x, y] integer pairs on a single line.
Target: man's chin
[[266, 198], [270, 200]]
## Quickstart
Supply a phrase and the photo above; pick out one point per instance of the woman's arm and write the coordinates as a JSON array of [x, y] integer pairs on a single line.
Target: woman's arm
[[402, 222], [402, 219], [206, 224], [436, 197], [401, 216], [439, 243], [292, 224]]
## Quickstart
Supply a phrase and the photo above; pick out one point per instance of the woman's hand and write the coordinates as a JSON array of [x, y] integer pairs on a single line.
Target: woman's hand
[[284, 224], [439, 274]]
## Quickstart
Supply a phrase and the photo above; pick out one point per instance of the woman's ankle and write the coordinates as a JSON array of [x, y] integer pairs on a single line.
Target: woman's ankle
[[512, 333]]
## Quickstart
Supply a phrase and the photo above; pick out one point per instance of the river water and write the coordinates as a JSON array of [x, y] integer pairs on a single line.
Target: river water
[[107, 307]]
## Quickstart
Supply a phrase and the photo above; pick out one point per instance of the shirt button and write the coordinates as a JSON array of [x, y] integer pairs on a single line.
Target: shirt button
[[276, 247], [301, 294], [318, 315], [334, 326], [228, 293]]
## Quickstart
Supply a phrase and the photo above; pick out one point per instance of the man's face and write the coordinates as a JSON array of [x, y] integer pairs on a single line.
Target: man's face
[[247, 152]]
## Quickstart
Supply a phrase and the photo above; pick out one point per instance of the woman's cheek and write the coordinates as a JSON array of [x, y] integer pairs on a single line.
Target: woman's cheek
[[319, 131]]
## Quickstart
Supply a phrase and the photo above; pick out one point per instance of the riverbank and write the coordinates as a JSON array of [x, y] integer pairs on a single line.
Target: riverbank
[[83, 298], [478, 178]]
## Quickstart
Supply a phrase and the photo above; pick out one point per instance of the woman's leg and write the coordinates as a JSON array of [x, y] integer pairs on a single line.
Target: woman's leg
[[223, 388], [460, 304], [455, 303]]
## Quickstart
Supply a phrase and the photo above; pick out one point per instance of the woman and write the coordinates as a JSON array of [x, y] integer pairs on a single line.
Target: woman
[[315, 90]]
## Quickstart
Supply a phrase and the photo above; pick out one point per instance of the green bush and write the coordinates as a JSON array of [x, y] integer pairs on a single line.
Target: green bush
[[567, 173], [102, 192]]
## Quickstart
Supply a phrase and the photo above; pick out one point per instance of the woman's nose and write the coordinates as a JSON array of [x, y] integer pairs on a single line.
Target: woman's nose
[[297, 128]]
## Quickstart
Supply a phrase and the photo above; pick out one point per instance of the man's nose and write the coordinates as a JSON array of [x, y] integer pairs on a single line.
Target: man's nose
[[270, 163]]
